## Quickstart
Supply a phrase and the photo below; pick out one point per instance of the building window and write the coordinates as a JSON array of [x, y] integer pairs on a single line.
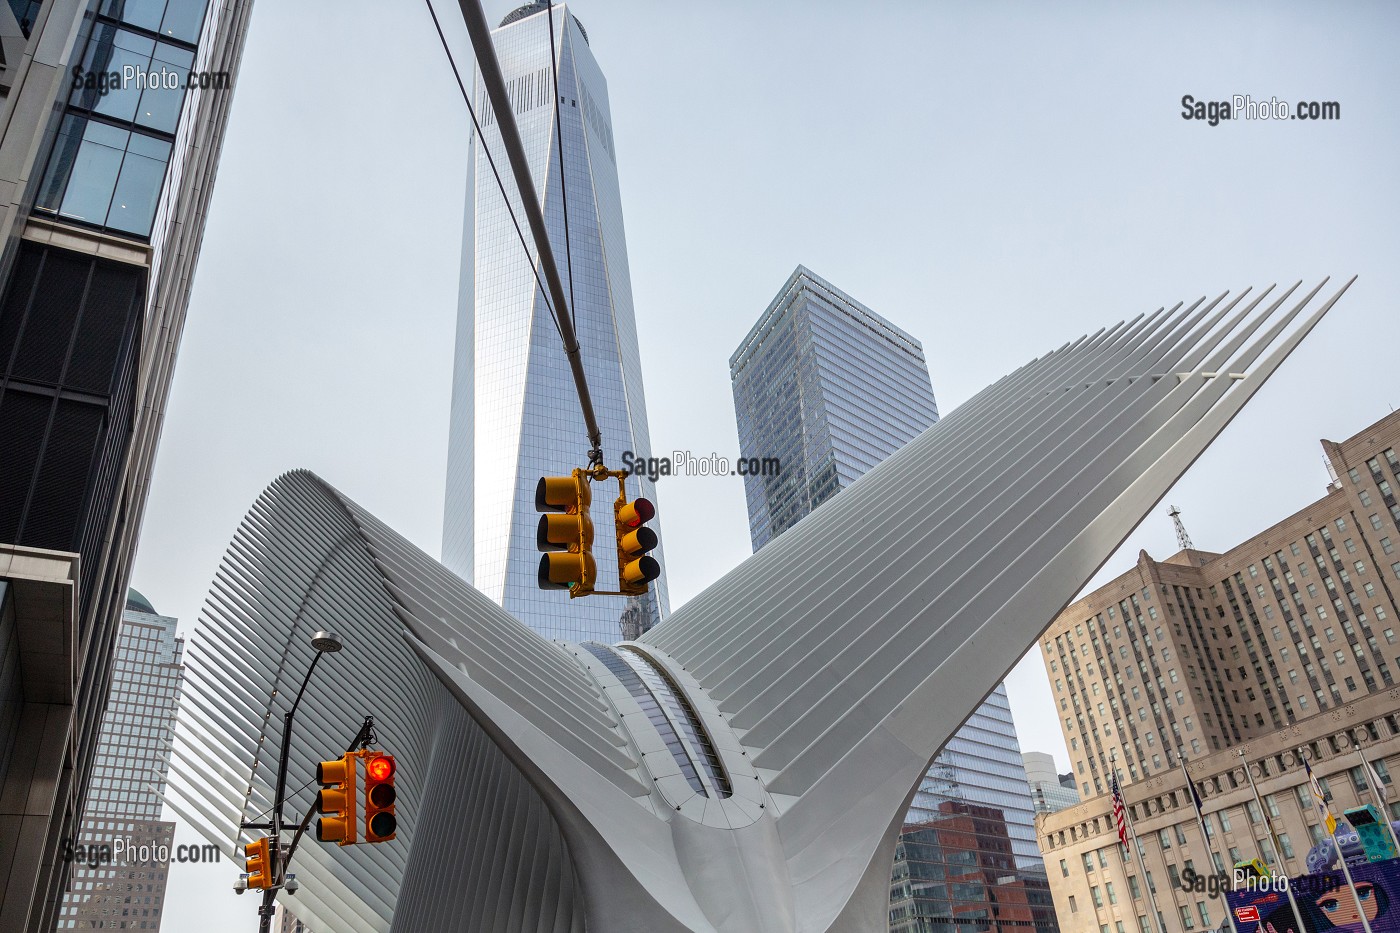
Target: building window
[[1134, 888], [1108, 889], [1188, 922], [105, 175], [1073, 907], [1064, 868], [1088, 862]]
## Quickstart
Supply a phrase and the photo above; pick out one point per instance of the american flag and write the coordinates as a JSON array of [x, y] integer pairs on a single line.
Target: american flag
[[1120, 816]]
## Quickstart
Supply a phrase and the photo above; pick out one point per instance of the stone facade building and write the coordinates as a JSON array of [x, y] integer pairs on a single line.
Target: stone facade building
[[1287, 640]]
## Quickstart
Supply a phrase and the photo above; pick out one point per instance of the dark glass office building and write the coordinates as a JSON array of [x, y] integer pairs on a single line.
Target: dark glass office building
[[113, 119], [829, 389]]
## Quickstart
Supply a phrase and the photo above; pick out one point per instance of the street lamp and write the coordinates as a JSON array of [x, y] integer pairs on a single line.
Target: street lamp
[[324, 643]]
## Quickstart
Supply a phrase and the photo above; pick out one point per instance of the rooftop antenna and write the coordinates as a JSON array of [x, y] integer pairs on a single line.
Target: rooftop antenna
[[1182, 538]]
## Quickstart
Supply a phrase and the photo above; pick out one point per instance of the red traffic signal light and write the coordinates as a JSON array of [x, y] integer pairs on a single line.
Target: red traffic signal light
[[336, 801], [380, 821], [635, 568]]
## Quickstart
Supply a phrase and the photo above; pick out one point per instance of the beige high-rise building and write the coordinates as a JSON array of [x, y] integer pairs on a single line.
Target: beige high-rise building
[[1286, 640], [1203, 651]]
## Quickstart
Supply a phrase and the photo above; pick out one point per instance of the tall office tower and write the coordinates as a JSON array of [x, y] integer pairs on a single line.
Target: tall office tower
[[829, 388], [128, 779], [515, 416], [105, 188], [1050, 790], [1203, 650]]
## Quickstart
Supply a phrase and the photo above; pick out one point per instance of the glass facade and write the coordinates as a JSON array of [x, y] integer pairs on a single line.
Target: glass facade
[[515, 415], [108, 164], [112, 890], [830, 389]]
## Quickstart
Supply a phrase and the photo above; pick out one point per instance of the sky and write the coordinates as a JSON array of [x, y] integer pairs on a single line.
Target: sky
[[995, 178]]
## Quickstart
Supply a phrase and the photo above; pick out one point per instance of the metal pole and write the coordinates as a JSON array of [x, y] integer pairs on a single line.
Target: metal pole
[[1205, 835], [1137, 846], [495, 83], [1278, 850], [278, 866], [1341, 856], [1378, 791]]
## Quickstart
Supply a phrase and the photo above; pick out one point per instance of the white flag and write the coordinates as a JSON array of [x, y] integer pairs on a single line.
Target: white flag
[[1382, 791]]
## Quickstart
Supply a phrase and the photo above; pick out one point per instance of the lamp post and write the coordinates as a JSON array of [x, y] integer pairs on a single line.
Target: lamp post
[[324, 643]]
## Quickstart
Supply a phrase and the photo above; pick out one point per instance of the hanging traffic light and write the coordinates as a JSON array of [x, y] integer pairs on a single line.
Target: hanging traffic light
[[635, 567], [380, 821], [336, 801], [258, 863], [565, 534]]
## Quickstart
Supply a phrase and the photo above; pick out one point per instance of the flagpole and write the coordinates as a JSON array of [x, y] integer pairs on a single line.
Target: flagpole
[[1205, 835], [1378, 791], [1278, 849], [1141, 852], [1331, 822]]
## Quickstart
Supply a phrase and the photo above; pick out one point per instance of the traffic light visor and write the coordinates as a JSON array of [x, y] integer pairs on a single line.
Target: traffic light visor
[[559, 571], [379, 769], [561, 493], [639, 541], [558, 532], [642, 570], [634, 513]]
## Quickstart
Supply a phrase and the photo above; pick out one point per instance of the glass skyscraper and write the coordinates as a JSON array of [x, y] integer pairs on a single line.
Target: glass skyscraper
[[515, 416], [126, 892], [830, 389], [112, 120]]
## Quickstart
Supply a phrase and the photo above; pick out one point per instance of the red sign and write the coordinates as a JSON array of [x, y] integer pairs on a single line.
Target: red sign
[[1247, 914]]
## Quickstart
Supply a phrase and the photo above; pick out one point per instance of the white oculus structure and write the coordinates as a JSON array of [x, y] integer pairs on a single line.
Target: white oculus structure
[[745, 766]]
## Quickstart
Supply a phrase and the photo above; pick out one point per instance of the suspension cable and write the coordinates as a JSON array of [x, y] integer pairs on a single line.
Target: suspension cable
[[563, 175]]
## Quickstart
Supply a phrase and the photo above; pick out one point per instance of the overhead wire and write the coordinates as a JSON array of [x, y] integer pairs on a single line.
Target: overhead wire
[[466, 98], [563, 175]]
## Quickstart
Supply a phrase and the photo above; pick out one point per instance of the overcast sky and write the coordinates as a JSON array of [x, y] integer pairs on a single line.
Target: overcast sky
[[994, 178]]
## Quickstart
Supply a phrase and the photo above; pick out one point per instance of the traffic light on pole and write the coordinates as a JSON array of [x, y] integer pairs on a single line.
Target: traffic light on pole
[[635, 567], [336, 801], [380, 822], [258, 863], [565, 534]]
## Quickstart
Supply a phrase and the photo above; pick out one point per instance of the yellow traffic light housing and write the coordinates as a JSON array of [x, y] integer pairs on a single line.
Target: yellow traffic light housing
[[336, 801], [565, 534], [380, 820], [635, 567], [258, 863]]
